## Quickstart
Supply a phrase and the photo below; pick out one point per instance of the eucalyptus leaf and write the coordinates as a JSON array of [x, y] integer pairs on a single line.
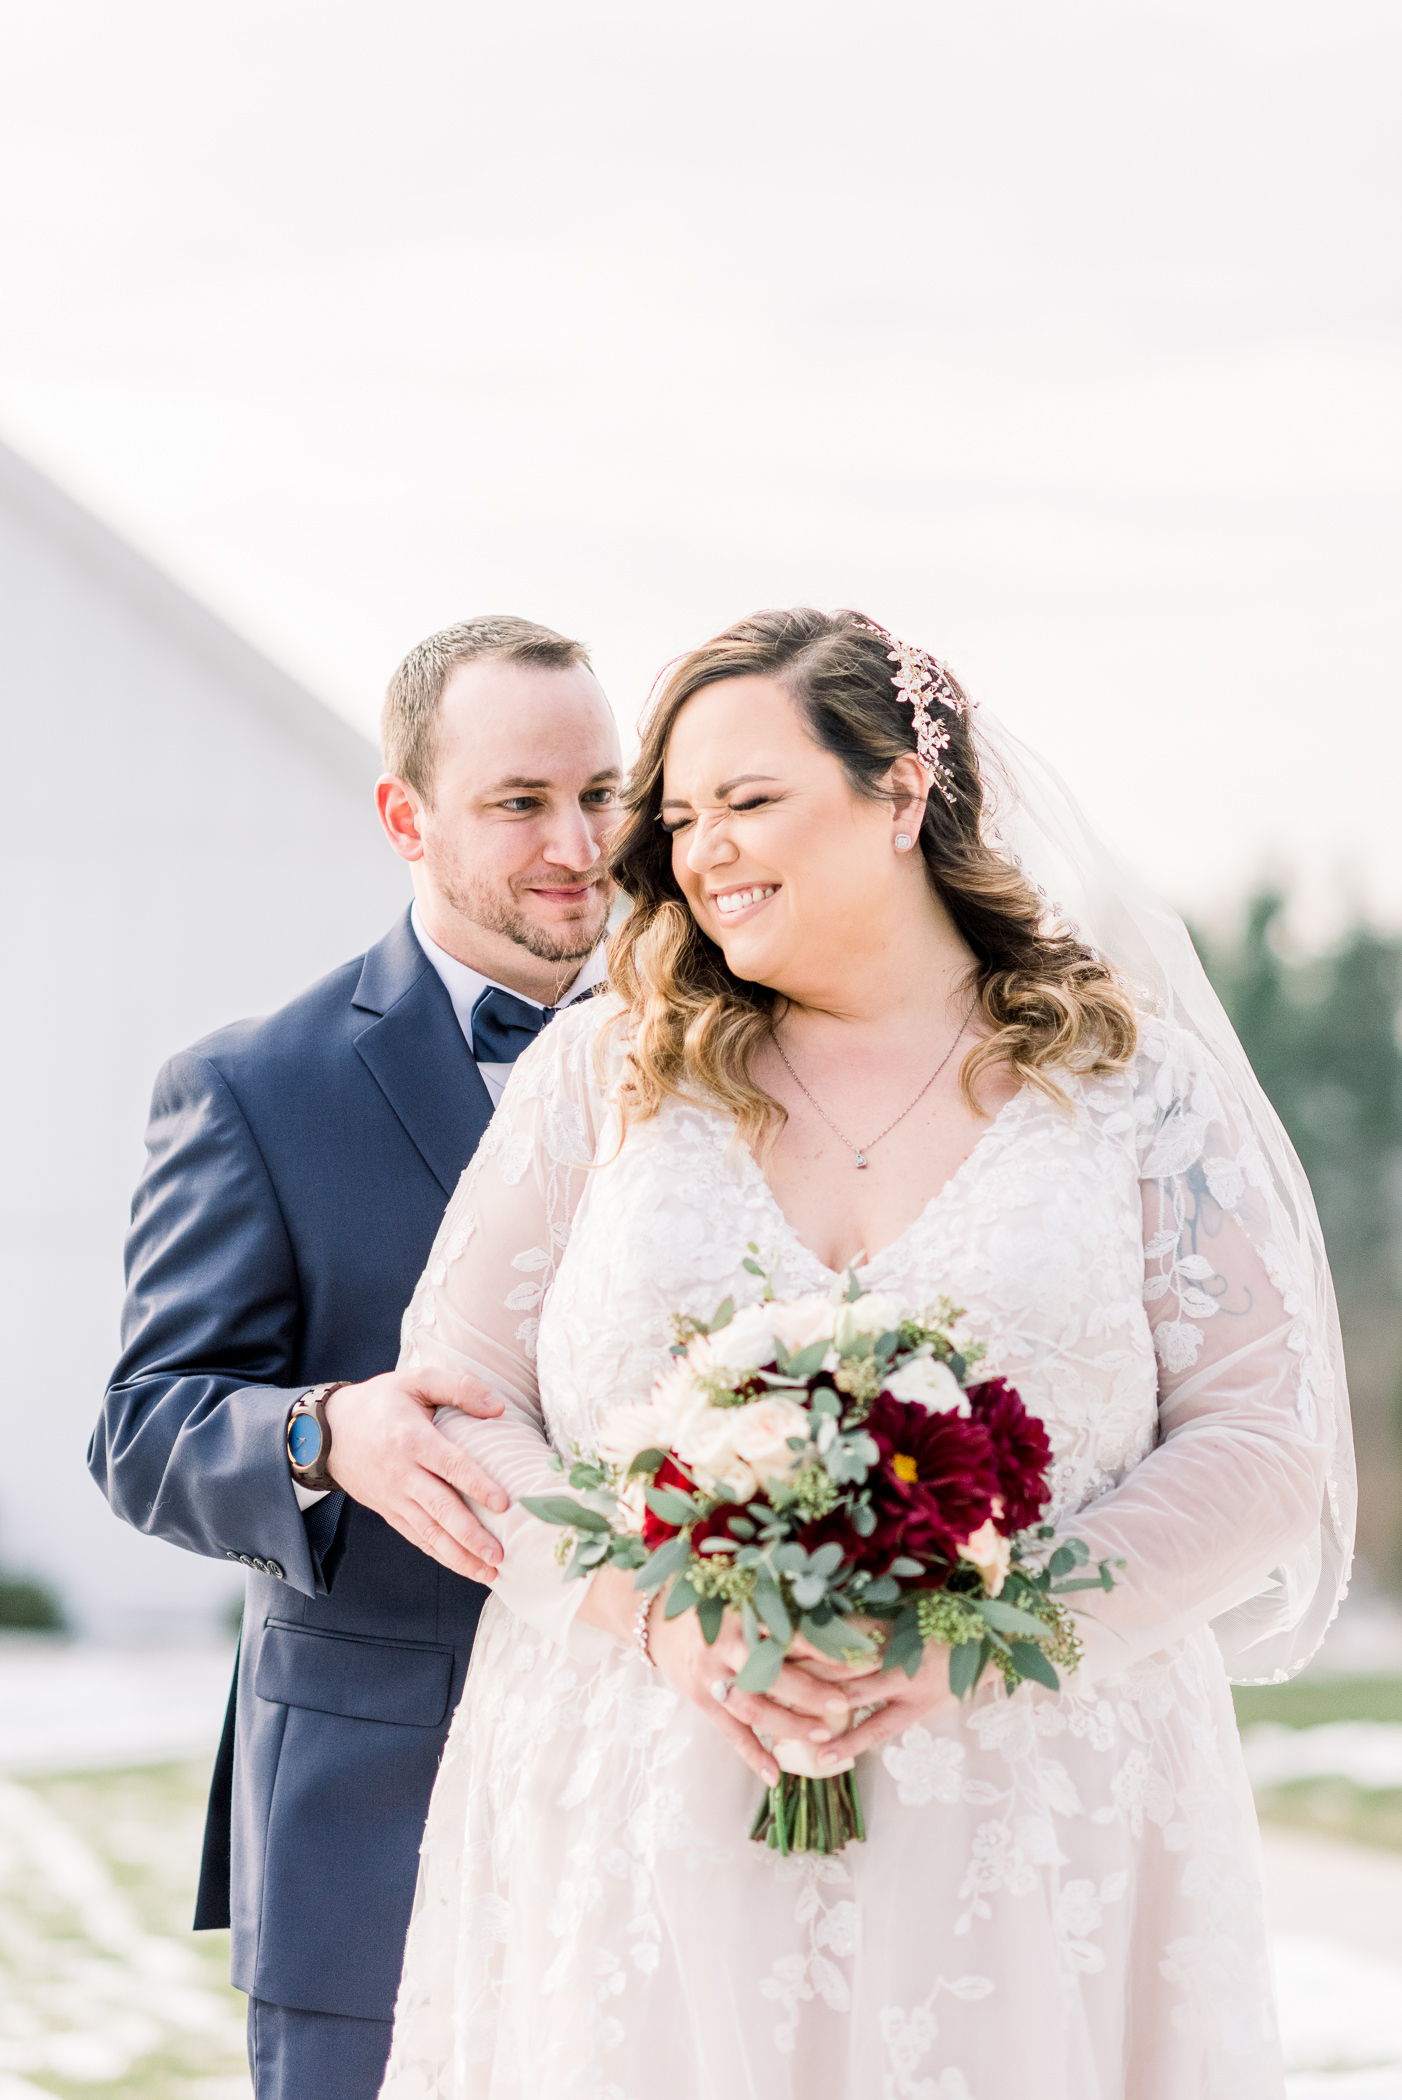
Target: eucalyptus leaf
[[669, 1559], [711, 1612], [826, 1559], [762, 1665], [1031, 1661], [884, 1590], [905, 1651], [770, 1606], [1007, 1618], [964, 1667], [725, 1313], [808, 1590], [670, 1506], [826, 1636], [586, 1475], [681, 1597], [807, 1361], [904, 1565], [646, 1462], [557, 1509]]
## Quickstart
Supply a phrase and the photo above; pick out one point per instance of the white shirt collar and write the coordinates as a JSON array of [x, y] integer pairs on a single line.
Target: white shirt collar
[[465, 986]]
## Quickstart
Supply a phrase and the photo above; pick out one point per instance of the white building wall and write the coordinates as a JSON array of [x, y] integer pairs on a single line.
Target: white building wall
[[187, 837]]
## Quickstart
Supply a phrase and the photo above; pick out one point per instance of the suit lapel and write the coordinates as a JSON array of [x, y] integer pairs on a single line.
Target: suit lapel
[[414, 1048]]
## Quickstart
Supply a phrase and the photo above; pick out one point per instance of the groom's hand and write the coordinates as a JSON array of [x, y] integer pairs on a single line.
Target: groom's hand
[[386, 1454]]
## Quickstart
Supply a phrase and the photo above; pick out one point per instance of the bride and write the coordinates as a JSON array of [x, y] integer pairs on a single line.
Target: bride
[[846, 1028]]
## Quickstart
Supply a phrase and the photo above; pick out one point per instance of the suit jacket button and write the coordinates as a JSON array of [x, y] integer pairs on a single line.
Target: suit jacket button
[[229, 1553], [271, 1567], [245, 1559]]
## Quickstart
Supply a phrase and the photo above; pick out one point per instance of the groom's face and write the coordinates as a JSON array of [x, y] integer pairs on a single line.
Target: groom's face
[[510, 877]]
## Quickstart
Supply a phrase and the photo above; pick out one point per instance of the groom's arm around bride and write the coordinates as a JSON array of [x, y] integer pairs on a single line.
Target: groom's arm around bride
[[298, 1167]]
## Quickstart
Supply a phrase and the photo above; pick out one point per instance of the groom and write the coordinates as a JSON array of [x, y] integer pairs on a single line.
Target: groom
[[298, 1168]]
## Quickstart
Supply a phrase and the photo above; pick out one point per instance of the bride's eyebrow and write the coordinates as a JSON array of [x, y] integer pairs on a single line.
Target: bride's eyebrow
[[727, 787]]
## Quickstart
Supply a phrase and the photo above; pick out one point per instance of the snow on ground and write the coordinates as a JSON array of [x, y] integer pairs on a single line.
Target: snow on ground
[[1369, 1753], [77, 1706], [100, 1982]]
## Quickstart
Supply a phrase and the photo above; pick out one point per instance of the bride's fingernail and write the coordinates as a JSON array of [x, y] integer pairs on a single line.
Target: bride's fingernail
[[835, 1706], [820, 1735]]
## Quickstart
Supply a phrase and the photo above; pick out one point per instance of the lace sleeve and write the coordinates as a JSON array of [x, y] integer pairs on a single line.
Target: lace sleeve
[[1232, 1517], [477, 1305]]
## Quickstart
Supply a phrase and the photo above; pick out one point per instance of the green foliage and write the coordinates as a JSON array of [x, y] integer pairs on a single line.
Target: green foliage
[[1321, 1032], [29, 1607]]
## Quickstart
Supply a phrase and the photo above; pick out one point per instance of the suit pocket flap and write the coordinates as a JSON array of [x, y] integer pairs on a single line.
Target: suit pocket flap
[[336, 1673]]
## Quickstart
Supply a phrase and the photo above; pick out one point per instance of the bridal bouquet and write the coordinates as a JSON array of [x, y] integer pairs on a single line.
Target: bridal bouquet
[[832, 1469]]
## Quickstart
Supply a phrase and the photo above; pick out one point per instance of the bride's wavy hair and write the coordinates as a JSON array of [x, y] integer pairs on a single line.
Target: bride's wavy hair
[[1047, 1001]]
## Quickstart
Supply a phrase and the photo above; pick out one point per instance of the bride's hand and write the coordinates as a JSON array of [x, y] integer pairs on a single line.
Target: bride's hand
[[903, 1700], [679, 1649]]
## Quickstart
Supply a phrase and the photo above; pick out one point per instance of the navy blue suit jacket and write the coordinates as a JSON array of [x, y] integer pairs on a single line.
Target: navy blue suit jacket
[[297, 1171]]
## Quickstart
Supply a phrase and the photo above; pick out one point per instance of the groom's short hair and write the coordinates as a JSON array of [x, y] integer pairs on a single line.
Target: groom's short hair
[[409, 719]]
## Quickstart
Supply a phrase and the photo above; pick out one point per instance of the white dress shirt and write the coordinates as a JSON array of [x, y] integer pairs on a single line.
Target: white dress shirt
[[465, 987]]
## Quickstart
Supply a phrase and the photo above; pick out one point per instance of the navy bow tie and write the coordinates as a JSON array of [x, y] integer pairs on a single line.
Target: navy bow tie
[[503, 1026]]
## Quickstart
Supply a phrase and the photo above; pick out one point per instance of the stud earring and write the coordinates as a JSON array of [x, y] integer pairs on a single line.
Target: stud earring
[[903, 842]]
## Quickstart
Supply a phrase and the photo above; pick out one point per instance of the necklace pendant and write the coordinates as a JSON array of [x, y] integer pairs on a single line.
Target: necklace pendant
[[861, 1159]]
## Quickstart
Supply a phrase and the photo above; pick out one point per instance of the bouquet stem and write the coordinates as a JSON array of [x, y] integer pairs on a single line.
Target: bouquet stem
[[810, 1815]]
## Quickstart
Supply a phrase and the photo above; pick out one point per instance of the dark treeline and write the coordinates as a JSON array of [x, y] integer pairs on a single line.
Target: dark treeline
[[1323, 1034]]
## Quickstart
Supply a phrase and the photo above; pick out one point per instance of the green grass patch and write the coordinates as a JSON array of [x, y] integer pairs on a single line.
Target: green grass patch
[[1336, 1808], [105, 1993], [1307, 1702]]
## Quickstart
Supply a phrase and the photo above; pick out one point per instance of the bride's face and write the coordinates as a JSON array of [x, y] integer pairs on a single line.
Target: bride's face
[[786, 869]]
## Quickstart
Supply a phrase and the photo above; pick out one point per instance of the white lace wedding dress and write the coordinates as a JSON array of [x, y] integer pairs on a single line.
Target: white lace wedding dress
[[1059, 1896]]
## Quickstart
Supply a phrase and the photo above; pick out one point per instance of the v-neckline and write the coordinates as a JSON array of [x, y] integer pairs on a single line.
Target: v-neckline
[[862, 1268]]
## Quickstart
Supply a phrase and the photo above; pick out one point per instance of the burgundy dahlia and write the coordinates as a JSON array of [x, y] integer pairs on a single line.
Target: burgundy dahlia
[[1021, 1451], [937, 1480]]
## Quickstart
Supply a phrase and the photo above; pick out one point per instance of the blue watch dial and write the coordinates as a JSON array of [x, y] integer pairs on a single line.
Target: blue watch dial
[[304, 1440]]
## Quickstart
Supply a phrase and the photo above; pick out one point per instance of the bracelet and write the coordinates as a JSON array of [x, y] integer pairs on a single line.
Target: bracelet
[[640, 1640]]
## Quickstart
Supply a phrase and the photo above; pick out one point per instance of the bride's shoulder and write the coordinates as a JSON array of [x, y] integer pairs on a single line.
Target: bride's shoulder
[[578, 1055]]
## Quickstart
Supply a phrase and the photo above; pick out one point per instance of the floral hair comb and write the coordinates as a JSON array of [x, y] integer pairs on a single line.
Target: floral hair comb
[[922, 681]]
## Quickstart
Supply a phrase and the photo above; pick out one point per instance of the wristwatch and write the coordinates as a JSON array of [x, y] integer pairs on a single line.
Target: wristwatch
[[309, 1436]]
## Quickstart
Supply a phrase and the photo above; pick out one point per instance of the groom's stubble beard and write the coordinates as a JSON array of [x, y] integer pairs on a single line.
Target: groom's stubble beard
[[485, 906]]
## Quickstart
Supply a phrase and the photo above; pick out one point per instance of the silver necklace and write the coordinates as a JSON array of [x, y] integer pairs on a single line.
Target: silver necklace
[[859, 1150]]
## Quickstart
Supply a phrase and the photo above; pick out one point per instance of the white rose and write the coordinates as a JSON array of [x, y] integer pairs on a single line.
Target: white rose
[[632, 1504], [759, 1435], [987, 1550], [802, 1322], [746, 1343], [930, 1383], [715, 1465], [875, 1314], [628, 1430]]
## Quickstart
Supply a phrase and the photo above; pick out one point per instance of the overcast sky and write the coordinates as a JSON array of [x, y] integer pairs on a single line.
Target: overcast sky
[[1063, 339]]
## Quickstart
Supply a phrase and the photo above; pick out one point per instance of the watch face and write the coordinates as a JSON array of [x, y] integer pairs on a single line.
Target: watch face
[[304, 1440]]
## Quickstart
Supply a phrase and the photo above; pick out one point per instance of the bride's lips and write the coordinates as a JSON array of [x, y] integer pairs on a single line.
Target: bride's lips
[[741, 900]]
